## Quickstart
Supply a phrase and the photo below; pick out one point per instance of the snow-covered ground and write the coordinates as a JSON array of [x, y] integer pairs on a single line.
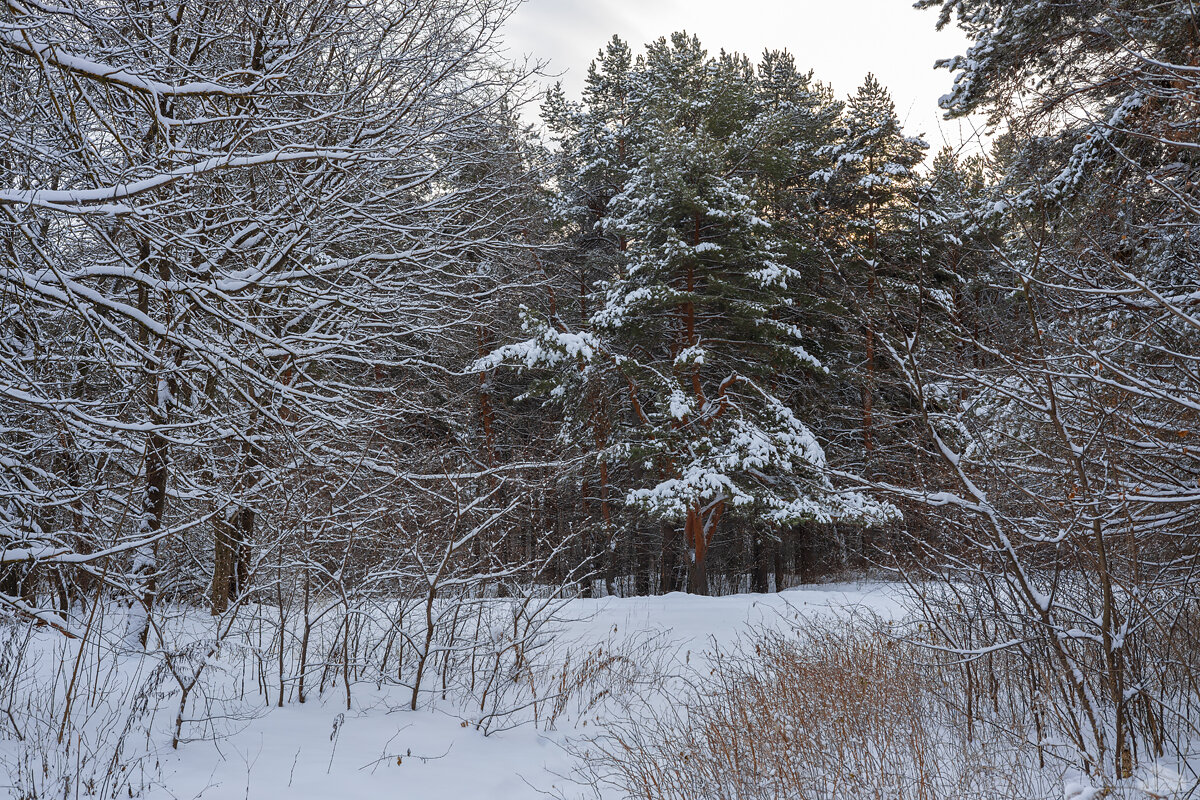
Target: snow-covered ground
[[381, 749], [100, 724]]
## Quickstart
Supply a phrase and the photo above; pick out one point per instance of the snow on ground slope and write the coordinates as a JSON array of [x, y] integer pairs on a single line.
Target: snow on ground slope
[[381, 749]]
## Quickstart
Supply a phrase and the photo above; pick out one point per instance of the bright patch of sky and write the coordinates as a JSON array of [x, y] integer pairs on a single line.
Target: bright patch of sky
[[842, 40]]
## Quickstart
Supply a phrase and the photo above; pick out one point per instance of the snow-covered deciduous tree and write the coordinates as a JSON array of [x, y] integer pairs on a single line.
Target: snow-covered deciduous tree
[[229, 230], [1063, 410]]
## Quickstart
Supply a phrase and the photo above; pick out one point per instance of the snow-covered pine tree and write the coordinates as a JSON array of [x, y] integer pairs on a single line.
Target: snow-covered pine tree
[[871, 186], [786, 153], [953, 235], [693, 323], [794, 121], [593, 149]]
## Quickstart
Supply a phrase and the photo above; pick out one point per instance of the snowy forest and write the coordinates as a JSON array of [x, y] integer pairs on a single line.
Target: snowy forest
[[376, 422]]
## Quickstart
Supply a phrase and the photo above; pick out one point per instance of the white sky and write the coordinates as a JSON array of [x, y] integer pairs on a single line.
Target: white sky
[[842, 40]]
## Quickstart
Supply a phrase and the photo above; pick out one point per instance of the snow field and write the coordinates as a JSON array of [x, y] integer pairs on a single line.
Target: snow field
[[525, 721]]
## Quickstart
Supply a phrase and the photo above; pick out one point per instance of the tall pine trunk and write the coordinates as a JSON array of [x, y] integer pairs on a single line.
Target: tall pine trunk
[[694, 532]]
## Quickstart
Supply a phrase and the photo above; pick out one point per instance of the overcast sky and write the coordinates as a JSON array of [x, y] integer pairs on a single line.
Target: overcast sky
[[842, 40]]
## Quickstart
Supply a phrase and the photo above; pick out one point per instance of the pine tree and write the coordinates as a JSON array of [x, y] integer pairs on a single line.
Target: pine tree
[[872, 184], [694, 322], [594, 142]]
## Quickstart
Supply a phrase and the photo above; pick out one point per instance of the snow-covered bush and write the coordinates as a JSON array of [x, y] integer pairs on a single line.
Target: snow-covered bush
[[840, 710]]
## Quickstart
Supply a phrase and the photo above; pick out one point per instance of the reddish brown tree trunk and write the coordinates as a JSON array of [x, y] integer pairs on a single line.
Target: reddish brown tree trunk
[[693, 531]]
